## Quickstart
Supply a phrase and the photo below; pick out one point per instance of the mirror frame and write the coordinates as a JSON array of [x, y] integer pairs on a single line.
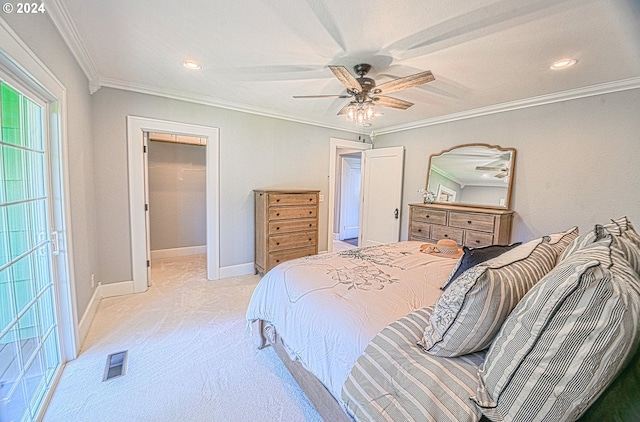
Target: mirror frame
[[509, 186]]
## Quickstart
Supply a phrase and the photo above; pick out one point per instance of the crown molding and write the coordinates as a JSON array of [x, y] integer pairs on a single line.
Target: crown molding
[[66, 28], [214, 102], [572, 94]]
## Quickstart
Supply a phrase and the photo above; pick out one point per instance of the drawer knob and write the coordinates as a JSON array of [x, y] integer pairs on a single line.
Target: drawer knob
[[277, 243], [311, 199], [427, 216], [277, 228], [446, 235], [309, 239], [277, 214], [310, 225], [468, 221], [477, 241], [277, 200], [419, 230], [310, 212], [277, 260]]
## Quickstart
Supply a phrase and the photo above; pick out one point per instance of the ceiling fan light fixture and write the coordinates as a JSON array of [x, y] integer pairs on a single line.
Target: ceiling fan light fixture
[[191, 65], [360, 112], [563, 64]]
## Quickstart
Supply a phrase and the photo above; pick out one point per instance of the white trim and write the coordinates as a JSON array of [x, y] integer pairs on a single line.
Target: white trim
[[60, 17], [572, 94], [116, 289], [135, 127], [237, 270], [334, 145], [175, 252], [89, 314], [18, 58], [216, 102]]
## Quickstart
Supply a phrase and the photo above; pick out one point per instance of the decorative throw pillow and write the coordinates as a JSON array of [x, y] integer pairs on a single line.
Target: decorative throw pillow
[[474, 256], [472, 309], [562, 240], [564, 342]]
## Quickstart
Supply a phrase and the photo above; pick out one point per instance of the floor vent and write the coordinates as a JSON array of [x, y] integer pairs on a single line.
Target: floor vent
[[116, 365]]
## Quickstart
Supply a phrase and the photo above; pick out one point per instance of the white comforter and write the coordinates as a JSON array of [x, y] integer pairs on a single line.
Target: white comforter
[[328, 307]]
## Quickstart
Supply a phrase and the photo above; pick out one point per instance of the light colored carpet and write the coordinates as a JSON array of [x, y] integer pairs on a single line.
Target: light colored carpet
[[191, 357]]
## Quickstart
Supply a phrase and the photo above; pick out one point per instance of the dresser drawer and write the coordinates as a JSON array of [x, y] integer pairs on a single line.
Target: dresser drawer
[[444, 232], [476, 239], [290, 226], [280, 242], [276, 258], [292, 199], [471, 221], [285, 213], [431, 216], [420, 230]]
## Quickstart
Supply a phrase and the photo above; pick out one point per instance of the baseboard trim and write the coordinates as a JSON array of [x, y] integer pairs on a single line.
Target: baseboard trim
[[237, 270], [173, 252], [116, 289], [102, 291], [89, 313]]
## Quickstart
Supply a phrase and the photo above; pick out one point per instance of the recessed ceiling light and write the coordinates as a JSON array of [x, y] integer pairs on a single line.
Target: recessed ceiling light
[[191, 65], [563, 64]]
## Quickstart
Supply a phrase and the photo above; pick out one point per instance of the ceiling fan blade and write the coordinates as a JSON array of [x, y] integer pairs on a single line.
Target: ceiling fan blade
[[322, 96], [392, 102], [344, 109], [406, 82], [346, 78], [488, 168]]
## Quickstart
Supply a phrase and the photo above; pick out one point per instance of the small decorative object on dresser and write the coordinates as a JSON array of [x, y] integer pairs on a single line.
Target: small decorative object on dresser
[[286, 224], [468, 226]]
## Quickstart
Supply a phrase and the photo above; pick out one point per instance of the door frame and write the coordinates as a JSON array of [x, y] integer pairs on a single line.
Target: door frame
[[335, 144], [18, 60], [136, 126]]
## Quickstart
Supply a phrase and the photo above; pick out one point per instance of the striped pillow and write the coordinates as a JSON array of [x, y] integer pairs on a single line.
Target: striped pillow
[[565, 341], [471, 310]]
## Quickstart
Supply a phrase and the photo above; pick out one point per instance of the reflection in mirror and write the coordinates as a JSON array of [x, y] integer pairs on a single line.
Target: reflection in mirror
[[472, 174]]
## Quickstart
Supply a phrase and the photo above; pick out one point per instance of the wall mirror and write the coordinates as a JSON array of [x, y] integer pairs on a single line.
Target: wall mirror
[[477, 175]]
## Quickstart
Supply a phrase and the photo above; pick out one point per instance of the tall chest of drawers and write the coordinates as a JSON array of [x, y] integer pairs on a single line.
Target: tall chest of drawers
[[472, 227], [286, 224]]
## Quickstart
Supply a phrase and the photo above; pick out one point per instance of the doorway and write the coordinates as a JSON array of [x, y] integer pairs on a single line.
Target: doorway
[[138, 194], [348, 206], [176, 170], [339, 149]]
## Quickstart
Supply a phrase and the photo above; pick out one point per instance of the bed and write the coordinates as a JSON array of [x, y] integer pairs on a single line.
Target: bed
[[538, 332], [322, 311]]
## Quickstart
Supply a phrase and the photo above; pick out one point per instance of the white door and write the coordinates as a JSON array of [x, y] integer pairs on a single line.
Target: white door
[[382, 170], [350, 198]]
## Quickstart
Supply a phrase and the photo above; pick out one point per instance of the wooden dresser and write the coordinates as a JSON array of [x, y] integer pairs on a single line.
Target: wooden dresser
[[468, 226], [286, 226]]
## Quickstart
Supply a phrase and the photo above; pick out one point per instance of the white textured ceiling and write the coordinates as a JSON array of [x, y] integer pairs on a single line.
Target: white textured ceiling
[[257, 54]]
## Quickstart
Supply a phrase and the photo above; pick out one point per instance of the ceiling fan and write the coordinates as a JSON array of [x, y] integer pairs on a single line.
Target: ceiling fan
[[501, 166], [366, 95]]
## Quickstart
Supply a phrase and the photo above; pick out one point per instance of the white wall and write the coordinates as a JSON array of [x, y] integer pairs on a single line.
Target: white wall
[[578, 161], [255, 152], [40, 35], [177, 195]]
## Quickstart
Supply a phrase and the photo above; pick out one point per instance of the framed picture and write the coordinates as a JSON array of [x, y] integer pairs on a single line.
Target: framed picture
[[445, 194]]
